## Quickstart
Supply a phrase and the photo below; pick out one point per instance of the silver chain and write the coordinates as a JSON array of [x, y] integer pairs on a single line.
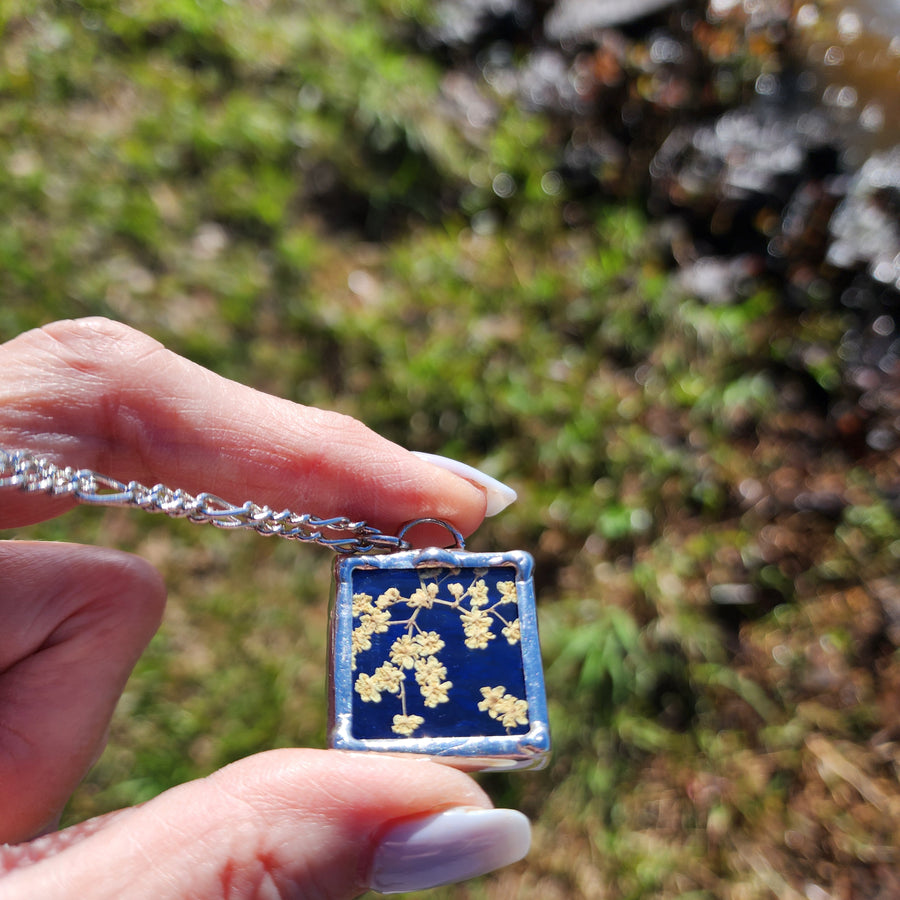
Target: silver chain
[[34, 474]]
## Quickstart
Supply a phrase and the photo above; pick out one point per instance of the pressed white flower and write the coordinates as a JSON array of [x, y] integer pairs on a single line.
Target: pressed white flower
[[474, 617], [477, 628], [508, 592], [510, 710], [516, 713], [362, 603], [477, 638], [360, 640], [430, 642], [388, 598], [377, 620], [513, 632], [367, 688], [406, 725], [387, 678], [492, 696], [430, 670], [404, 652], [435, 692], [423, 597], [478, 594]]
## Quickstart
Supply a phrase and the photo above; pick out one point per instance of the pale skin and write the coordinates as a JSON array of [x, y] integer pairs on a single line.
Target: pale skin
[[288, 823]]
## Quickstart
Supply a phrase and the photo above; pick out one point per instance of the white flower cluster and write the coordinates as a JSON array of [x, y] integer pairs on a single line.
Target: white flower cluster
[[417, 650]]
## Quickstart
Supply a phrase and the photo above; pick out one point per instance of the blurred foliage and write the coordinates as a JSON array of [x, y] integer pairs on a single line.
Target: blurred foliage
[[288, 195]]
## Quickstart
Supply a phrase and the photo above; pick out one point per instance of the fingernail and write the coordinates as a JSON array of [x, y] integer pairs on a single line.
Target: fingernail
[[448, 847], [499, 495]]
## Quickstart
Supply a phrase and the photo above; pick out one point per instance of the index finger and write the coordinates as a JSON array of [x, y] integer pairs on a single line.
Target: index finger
[[97, 394]]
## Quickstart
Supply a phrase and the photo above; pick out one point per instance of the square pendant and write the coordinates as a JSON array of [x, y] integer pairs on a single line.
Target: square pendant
[[435, 653]]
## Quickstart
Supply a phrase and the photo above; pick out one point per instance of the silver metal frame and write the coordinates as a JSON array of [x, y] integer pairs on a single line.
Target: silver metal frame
[[475, 752]]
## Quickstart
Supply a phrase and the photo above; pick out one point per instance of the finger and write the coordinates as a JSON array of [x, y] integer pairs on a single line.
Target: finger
[[290, 823], [75, 620], [96, 394]]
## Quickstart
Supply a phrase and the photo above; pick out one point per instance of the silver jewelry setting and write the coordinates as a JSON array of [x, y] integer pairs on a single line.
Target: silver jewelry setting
[[421, 665]]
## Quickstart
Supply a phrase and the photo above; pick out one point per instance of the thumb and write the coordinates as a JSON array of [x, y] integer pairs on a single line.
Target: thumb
[[302, 824]]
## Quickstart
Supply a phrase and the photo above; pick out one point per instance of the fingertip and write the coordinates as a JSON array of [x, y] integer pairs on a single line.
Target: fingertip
[[446, 847], [78, 619], [127, 591], [497, 494], [435, 492], [298, 823]]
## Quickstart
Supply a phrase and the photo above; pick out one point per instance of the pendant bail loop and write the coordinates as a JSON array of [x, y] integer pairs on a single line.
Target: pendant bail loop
[[457, 537]]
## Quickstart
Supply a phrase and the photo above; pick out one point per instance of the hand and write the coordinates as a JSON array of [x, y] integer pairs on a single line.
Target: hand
[[73, 621]]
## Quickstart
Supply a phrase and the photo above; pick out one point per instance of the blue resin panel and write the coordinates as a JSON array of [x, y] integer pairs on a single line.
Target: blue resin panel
[[445, 653], [436, 652]]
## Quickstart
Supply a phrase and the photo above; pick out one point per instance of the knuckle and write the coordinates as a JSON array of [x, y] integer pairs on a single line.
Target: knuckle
[[95, 340]]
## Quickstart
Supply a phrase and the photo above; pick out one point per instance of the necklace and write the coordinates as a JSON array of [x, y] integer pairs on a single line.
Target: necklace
[[432, 652]]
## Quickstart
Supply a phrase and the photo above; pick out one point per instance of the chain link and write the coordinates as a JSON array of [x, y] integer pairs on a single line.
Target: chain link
[[34, 474]]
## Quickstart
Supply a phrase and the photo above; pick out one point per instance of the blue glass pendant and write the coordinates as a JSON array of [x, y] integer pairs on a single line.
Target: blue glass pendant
[[435, 653]]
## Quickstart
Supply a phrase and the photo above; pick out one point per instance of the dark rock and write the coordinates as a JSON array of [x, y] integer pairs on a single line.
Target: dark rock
[[735, 177], [865, 229], [473, 22]]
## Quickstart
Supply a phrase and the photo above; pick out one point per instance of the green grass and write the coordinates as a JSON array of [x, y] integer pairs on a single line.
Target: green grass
[[282, 198]]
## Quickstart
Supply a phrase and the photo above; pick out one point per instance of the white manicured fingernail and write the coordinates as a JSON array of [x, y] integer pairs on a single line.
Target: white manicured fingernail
[[448, 847], [499, 495]]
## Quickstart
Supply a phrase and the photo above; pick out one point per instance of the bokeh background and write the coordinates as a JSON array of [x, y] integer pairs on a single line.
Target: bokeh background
[[640, 263]]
